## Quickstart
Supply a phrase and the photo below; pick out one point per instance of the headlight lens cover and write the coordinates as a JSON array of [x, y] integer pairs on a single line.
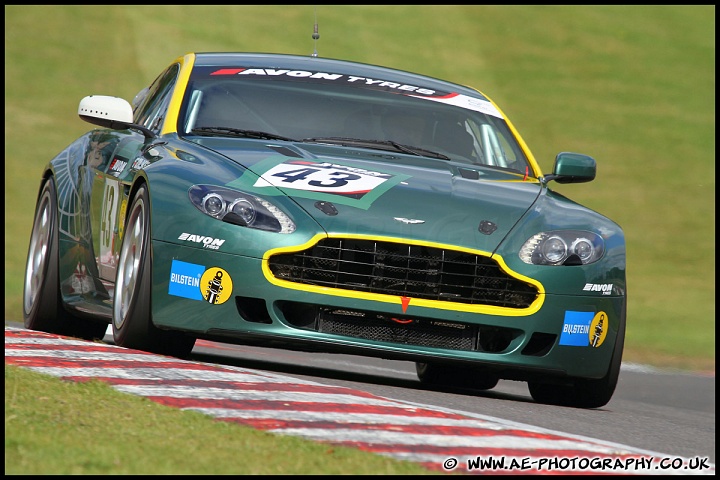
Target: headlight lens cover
[[563, 247], [240, 208]]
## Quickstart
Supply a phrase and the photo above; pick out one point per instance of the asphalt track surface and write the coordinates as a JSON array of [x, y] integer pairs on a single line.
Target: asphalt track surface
[[377, 406]]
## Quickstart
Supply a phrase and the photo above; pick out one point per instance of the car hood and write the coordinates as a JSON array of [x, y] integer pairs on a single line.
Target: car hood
[[364, 192]]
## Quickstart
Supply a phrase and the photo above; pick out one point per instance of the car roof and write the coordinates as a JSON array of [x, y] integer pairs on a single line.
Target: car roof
[[328, 65]]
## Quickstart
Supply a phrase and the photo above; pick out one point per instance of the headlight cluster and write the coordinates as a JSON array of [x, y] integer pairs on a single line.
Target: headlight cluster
[[562, 247], [240, 208]]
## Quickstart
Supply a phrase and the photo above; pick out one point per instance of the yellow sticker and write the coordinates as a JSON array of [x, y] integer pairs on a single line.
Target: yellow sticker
[[216, 285], [598, 329], [121, 222]]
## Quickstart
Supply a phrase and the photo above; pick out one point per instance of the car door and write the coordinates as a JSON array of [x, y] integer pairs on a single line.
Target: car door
[[113, 177], [110, 184]]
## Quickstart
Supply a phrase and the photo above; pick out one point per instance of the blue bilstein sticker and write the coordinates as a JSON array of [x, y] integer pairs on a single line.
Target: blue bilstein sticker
[[576, 329], [188, 280], [583, 329], [185, 280]]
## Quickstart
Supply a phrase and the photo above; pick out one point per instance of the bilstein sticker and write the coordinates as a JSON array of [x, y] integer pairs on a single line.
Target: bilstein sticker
[[598, 329], [576, 329], [216, 285], [196, 282], [185, 280]]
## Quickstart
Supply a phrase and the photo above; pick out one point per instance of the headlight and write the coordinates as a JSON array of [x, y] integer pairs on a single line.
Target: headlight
[[562, 247], [240, 208]]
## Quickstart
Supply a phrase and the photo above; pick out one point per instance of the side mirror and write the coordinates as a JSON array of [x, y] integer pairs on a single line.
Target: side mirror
[[110, 112], [573, 168]]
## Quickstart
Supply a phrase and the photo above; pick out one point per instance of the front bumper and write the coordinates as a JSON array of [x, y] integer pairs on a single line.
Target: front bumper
[[570, 335]]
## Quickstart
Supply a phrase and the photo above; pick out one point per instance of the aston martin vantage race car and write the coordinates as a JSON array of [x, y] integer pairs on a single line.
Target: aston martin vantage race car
[[326, 205]]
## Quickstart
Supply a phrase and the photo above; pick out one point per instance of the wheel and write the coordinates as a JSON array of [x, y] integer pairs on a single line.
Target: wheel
[[584, 393], [444, 375], [551, 394], [132, 299], [43, 308]]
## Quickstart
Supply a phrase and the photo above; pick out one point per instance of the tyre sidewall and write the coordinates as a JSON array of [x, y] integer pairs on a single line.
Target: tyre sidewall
[[586, 393], [455, 376], [136, 329], [46, 313]]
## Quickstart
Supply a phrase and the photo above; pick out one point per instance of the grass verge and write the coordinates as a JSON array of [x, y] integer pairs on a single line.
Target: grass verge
[[59, 427]]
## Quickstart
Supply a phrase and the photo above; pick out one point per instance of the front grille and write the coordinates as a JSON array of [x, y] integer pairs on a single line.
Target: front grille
[[402, 269]]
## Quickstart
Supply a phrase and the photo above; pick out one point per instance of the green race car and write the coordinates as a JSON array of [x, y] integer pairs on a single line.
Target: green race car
[[327, 205]]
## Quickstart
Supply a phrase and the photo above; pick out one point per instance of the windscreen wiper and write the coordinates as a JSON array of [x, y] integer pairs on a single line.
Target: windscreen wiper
[[238, 132], [387, 145]]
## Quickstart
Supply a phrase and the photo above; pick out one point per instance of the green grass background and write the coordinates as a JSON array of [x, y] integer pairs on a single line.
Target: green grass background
[[632, 86]]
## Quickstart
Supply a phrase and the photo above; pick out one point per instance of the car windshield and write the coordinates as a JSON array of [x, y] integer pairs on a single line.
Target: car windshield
[[324, 109]]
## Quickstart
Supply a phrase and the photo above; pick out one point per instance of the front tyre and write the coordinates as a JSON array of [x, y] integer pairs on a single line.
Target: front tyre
[[455, 376], [43, 308], [132, 300], [584, 392]]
